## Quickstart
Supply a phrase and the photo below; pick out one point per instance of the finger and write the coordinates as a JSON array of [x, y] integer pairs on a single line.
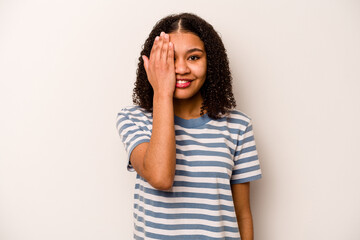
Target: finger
[[170, 55], [159, 46], [154, 47], [165, 47]]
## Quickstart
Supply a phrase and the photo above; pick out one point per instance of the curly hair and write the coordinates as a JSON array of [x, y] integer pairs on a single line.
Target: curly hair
[[216, 91]]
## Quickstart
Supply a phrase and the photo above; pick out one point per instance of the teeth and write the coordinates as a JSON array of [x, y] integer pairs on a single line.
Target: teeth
[[182, 81]]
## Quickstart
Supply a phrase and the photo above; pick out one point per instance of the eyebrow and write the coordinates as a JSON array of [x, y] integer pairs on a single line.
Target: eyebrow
[[194, 50]]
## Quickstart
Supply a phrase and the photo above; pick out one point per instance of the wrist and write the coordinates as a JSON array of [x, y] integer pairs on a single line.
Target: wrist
[[159, 96]]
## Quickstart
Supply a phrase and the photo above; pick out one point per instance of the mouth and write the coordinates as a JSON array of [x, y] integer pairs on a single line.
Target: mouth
[[183, 83]]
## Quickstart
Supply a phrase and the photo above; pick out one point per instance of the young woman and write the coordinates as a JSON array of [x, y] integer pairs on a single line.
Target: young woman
[[193, 153]]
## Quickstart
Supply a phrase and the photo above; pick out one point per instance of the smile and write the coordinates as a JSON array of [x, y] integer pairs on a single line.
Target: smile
[[182, 83]]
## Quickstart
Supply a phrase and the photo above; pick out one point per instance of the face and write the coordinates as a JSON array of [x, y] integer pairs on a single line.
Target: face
[[190, 64]]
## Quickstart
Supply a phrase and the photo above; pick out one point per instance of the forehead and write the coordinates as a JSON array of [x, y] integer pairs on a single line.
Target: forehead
[[184, 41]]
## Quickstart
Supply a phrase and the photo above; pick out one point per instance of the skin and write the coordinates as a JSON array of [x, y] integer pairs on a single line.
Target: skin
[[241, 198], [178, 55], [190, 63]]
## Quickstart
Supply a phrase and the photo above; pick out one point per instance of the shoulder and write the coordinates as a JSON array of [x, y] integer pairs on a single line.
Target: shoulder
[[134, 114], [134, 111], [236, 119], [235, 115]]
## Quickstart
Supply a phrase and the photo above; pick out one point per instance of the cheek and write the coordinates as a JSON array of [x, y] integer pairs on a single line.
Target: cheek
[[200, 70], [203, 71]]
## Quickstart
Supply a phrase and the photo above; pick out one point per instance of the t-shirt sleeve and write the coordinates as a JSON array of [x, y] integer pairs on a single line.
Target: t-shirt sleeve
[[246, 161], [132, 132]]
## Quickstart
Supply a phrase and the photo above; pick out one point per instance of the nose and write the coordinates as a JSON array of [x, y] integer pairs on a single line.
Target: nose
[[181, 67]]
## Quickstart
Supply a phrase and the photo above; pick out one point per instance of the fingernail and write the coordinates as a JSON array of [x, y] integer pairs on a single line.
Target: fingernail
[[157, 38], [162, 34]]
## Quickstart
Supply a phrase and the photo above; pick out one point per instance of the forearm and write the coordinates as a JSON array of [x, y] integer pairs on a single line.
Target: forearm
[[160, 158], [241, 198], [246, 228]]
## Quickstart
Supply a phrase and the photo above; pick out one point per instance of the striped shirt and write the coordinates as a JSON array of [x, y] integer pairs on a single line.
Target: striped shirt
[[210, 156]]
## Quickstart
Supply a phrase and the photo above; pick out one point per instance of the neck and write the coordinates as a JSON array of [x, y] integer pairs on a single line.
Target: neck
[[188, 108]]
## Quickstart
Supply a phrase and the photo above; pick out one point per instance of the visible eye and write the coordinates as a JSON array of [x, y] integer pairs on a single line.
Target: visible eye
[[193, 58]]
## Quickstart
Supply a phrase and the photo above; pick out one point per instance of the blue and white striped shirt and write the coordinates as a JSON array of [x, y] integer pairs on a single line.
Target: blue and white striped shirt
[[210, 156]]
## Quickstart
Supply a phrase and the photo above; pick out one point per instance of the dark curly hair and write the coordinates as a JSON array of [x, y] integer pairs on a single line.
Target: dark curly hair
[[216, 91]]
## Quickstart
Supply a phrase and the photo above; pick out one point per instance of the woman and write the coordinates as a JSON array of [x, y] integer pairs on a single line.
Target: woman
[[194, 154]]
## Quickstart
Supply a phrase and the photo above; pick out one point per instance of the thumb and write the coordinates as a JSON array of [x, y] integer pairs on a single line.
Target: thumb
[[146, 62]]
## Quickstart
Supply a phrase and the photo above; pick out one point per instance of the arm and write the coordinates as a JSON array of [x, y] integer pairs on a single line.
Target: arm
[[155, 161], [241, 198]]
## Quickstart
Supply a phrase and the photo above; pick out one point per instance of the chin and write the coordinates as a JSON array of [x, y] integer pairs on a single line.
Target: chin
[[182, 96]]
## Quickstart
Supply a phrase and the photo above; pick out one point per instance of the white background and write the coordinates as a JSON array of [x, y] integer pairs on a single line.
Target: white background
[[67, 68]]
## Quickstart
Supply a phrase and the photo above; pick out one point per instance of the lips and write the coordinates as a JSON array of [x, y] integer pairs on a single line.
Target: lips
[[183, 83]]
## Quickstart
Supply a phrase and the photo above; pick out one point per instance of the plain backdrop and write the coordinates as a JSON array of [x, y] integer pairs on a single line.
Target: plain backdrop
[[68, 67]]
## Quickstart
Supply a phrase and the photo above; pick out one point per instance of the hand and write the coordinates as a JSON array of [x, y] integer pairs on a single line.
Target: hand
[[160, 68]]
